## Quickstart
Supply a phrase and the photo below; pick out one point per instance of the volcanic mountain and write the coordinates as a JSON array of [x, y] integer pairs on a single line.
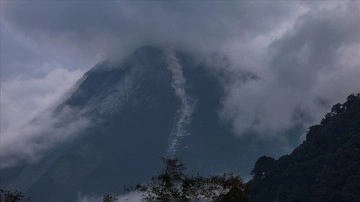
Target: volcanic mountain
[[157, 102]]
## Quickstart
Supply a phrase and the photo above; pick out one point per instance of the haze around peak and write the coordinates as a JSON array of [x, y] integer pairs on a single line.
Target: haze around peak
[[306, 55]]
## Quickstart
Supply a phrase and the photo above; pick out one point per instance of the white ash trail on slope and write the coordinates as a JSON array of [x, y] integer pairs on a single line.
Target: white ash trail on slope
[[186, 108]]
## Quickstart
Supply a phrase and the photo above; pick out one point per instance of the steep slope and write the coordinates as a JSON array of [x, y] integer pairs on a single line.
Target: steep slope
[[157, 102], [325, 167], [131, 107]]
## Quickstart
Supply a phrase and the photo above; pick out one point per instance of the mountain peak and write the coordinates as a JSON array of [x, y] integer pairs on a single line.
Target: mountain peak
[[141, 53], [145, 63]]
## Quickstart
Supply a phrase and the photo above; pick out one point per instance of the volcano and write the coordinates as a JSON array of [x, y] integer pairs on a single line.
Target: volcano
[[157, 102]]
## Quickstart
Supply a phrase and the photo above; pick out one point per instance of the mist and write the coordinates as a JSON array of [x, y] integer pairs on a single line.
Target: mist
[[29, 124], [304, 55]]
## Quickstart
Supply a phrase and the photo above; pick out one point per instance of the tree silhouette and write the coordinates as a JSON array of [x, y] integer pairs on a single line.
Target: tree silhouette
[[11, 196], [109, 198], [174, 184]]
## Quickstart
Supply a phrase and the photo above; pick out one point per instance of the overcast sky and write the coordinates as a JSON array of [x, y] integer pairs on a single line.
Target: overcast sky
[[306, 54]]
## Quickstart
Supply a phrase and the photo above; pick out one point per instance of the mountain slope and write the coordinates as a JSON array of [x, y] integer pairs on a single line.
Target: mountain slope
[[325, 167], [157, 102], [131, 108]]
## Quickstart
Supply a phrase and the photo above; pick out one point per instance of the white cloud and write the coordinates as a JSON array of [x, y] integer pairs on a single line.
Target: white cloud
[[28, 125], [308, 68], [305, 53]]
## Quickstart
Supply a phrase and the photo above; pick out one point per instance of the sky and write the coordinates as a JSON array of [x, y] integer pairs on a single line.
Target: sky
[[305, 54]]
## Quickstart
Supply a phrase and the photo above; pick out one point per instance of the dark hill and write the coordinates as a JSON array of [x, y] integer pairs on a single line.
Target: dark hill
[[325, 167]]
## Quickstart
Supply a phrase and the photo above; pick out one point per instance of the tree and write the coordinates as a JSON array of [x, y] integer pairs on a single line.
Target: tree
[[109, 198], [174, 184], [11, 196]]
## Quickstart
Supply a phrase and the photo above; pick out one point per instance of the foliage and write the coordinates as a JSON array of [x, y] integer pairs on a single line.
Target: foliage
[[11, 196], [174, 184], [325, 167], [109, 198]]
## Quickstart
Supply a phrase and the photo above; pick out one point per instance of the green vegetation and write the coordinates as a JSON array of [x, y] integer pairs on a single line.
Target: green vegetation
[[174, 184], [109, 198], [11, 196], [325, 167]]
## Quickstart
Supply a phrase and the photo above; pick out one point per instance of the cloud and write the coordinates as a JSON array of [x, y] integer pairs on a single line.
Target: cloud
[[287, 62], [308, 69], [74, 35], [29, 125], [112, 28]]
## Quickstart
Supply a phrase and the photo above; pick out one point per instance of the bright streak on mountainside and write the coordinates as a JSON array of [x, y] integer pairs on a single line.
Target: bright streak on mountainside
[[187, 106]]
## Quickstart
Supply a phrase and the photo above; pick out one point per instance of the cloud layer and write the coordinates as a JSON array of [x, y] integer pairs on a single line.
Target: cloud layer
[[305, 55], [308, 69], [28, 125]]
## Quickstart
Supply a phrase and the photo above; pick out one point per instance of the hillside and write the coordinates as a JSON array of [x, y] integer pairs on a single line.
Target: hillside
[[325, 167], [154, 103]]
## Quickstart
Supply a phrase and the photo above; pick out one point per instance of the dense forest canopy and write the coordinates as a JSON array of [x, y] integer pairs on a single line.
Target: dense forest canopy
[[325, 167]]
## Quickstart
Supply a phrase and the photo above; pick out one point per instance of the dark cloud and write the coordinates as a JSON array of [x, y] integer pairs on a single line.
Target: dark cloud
[[109, 26]]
